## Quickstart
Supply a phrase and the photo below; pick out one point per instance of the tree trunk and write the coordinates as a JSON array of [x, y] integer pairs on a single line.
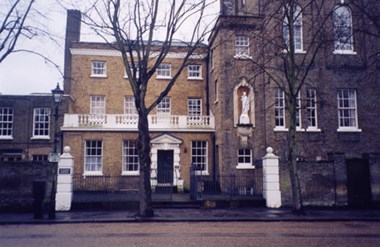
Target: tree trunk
[[145, 200], [292, 160]]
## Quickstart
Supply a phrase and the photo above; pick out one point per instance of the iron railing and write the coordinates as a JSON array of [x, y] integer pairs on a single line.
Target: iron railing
[[105, 183], [228, 185]]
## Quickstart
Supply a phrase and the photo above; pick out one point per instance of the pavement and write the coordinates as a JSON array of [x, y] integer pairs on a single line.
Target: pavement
[[196, 215]]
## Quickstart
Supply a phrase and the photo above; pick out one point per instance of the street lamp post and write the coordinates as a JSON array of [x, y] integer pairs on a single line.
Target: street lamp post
[[57, 94]]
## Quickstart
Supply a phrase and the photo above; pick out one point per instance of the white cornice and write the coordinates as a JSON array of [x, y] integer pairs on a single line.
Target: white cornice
[[115, 53]]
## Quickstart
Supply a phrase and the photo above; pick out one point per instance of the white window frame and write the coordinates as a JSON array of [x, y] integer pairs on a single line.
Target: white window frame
[[93, 158], [98, 68], [194, 107], [299, 113], [194, 72], [97, 105], [347, 110], [298, 31], [245, 159], [312, 110], [41, 123], [279, 108], [130, 158], [6, 123], [343, 47], [242, 46], [199, 156], [130, 106], [164, 107], [164, 71]]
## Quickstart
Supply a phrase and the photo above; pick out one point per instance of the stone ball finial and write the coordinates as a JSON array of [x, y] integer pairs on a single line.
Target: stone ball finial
[[269, 150], [66, 150]]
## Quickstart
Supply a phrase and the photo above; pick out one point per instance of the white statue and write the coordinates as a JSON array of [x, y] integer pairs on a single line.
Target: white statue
[[244, 118]]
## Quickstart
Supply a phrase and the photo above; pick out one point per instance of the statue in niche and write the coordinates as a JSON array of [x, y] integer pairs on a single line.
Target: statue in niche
[[244, 118]]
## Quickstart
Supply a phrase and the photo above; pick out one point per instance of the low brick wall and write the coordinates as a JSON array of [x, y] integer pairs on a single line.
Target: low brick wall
[[317, 180], [16, 184]]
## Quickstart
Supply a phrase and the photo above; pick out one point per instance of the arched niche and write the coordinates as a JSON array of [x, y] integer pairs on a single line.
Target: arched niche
[[239, 89]]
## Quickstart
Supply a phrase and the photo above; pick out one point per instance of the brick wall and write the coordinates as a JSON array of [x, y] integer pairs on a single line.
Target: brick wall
[[16, 184]]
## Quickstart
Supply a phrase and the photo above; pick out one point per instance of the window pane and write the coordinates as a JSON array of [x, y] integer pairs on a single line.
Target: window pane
[[194, 107], [41, 122], [343, 29], [164, 105], [6, 121], [347, 108], [241, 45], [297, 32], [130, 106], [194, 71], [164, 70], [199, 154], [93, 157], [130, 156], [245, 156], [279, 108], [98, 68], [97, 105]]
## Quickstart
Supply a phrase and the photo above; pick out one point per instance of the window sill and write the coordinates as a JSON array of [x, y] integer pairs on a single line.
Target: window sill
[[313, 130], [216, 102], [349, 130], [194, 78], [242, 57], [92, 174], [98, 76], [201, 173], [245, 166], [40, 138], [6, 137], [163, 77], [134, 173], [300, 129], [295, 52], [280, 129], [343, 52]]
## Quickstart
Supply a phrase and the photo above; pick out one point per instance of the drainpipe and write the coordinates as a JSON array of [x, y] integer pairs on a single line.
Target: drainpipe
[[207, 84], [213, 156]]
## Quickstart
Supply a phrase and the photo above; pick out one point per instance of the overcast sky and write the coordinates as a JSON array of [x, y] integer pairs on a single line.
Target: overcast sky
[[22, 73]]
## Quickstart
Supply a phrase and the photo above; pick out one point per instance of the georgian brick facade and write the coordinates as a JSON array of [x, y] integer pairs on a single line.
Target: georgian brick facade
[[27, 127], [345, 137], [333, 74]]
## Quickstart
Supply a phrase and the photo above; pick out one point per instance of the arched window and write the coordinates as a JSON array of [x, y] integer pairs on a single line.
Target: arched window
[[342, 19], [297, 28]]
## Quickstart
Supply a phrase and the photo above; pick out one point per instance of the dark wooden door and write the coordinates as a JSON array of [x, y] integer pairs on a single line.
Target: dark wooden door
[[165, 166], [358, 183]]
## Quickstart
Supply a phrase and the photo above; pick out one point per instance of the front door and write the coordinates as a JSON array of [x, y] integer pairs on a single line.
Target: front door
[[165, 166], [358, 183]]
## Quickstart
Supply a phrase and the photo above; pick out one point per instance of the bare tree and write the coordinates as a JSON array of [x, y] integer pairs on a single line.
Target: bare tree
[[14, 25], [288, 59], [20, 20], [132, 27]]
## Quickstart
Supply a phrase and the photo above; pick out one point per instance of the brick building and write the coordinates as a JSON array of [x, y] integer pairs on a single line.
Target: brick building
[[225, 110], [101, 124], [336, 118], [27, 127]]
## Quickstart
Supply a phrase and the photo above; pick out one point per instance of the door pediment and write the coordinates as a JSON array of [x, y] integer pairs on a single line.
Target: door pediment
[[166, 139]]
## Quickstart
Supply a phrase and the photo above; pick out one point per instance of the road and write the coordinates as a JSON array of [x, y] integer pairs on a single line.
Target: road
[[194, 234]]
